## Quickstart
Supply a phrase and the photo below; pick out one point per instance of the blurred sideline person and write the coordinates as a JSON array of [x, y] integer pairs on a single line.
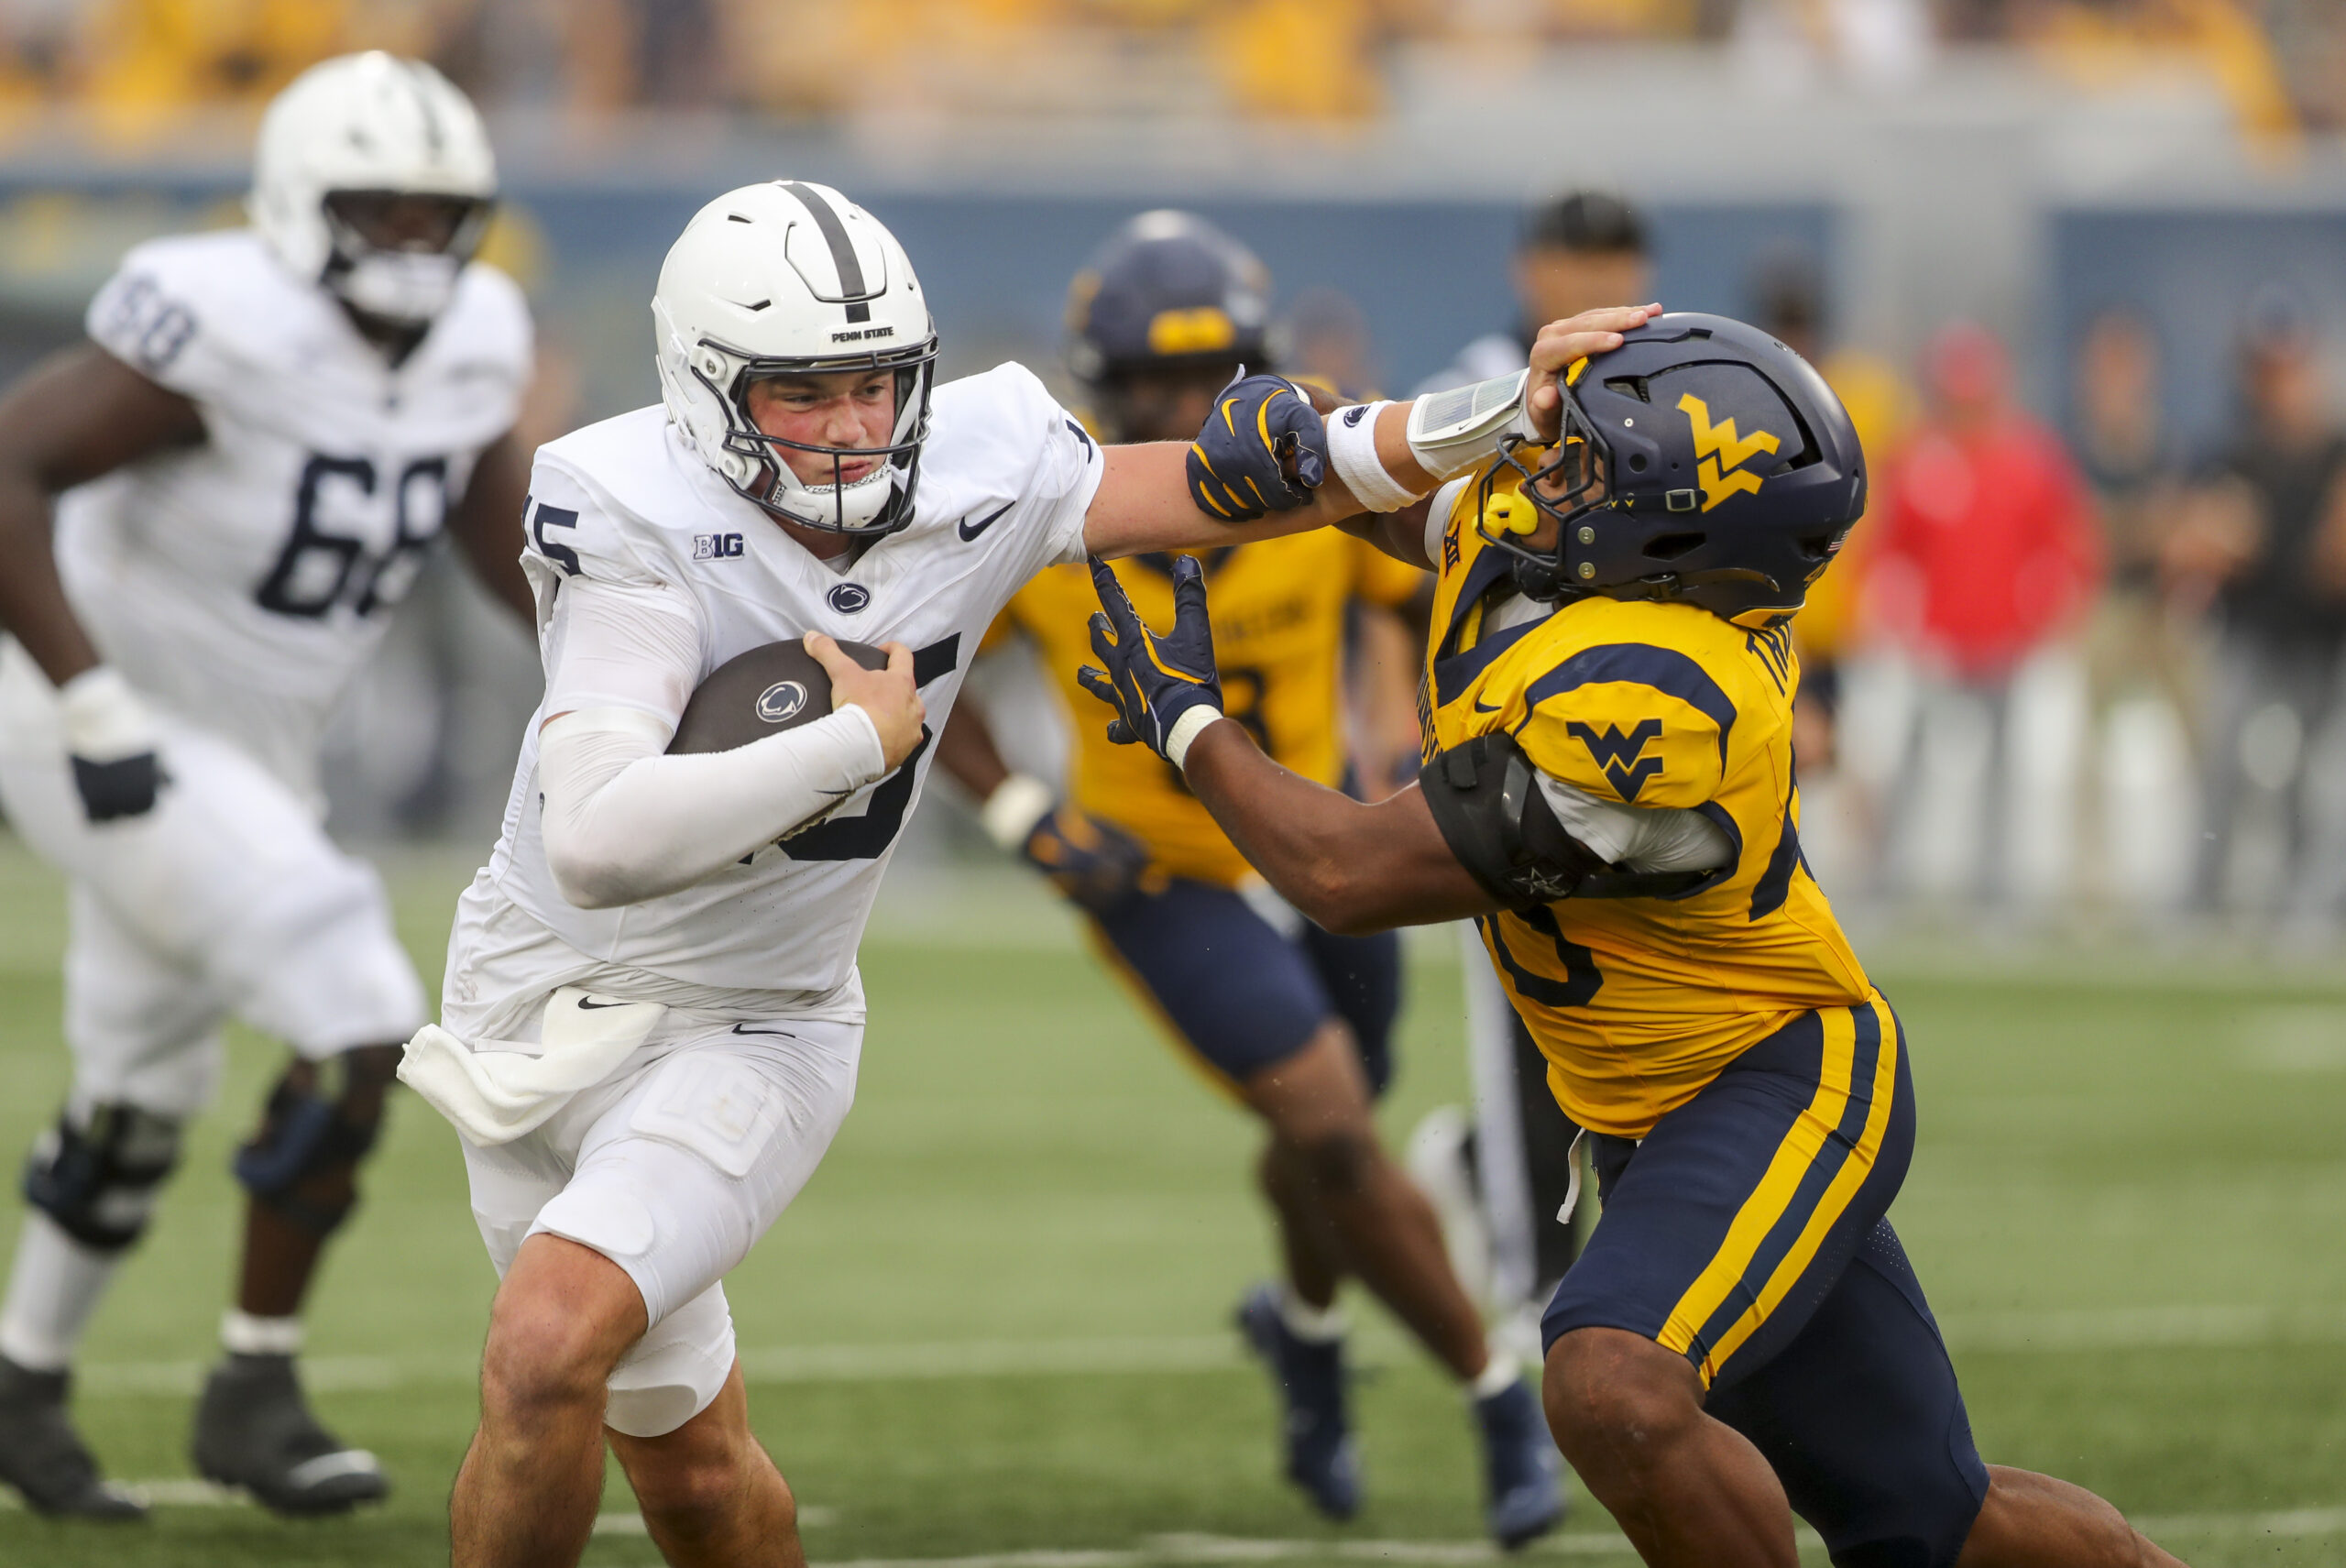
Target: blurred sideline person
[[1583, 251], [1841, 793], [1499, 1175], [2269, 529], [269, 429], [1982, 570], [1276, 1014], [1608, 794], [1791, 297], [2142, 646], [652, 1015]]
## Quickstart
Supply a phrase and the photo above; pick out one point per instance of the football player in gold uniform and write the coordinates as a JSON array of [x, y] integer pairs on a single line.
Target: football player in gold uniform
[[1284, 1017], [1608, 791]]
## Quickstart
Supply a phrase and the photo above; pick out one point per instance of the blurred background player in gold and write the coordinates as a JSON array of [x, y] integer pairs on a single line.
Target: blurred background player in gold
[[1289, 1020]]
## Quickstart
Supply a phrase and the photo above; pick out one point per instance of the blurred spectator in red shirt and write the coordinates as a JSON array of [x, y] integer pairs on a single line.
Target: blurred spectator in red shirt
[[1985, 560], [1986, 548]]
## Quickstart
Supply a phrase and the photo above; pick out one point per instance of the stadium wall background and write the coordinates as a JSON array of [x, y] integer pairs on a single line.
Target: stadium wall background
[[428, 746]]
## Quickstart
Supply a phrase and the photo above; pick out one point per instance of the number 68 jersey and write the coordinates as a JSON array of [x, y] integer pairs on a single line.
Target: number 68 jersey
[[243, 581]]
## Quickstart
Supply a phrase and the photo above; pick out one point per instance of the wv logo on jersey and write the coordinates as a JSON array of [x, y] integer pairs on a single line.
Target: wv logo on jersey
[[1720, 453], [1621, 756]]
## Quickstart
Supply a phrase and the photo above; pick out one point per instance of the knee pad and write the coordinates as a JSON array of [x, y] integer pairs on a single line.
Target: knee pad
[[320, 1121], [99, 1180]]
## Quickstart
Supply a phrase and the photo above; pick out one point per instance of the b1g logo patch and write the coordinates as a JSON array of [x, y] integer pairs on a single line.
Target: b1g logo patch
[[717, 546], [780, 702], [1621, 757]]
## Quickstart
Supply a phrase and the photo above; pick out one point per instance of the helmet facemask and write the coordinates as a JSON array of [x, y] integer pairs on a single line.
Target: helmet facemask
[[756, 464], [404, 283], [1572, 479]]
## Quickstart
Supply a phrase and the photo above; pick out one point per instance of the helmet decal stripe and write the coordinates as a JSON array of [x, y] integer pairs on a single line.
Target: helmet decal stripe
[[431, 136], [851, 270]]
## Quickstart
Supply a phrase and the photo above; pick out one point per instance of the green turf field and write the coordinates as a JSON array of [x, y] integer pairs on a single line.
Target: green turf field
[[993, 1326]]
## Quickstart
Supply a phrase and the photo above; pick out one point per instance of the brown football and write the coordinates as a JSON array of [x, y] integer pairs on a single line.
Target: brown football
[[761, 693]]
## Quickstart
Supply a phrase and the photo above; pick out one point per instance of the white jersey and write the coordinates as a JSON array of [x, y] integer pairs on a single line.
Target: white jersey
[[1006, 479], [243, 581]]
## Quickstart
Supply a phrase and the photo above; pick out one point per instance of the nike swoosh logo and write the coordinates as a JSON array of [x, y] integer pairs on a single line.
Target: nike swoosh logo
[[589, 1004], [778, 1034], [1480, 709], [969, 530]]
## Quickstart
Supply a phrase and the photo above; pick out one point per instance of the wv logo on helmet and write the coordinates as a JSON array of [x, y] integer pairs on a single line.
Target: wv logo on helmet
[[1720, 453], [1622, 758]]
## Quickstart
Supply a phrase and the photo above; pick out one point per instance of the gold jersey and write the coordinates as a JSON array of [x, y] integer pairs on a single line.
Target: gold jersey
[[1639, 1003], [1278, 607]]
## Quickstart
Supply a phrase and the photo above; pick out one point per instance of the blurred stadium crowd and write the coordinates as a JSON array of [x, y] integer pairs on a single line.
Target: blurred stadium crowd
[[2098, 670], [138, 64]]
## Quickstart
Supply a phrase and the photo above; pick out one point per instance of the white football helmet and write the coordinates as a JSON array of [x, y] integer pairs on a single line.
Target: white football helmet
[[371, 123], [789, 278]]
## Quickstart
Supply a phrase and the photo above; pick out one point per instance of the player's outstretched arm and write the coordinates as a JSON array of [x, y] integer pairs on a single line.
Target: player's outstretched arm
[[72, 417], [487, 524], [1349, 866], [75, 416], [1352, 867], [1264, 464]]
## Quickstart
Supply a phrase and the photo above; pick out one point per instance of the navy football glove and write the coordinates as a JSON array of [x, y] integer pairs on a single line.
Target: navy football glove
[[1262, 429], [111, 740], [1153, 683], [1095, 865], [124, 787]]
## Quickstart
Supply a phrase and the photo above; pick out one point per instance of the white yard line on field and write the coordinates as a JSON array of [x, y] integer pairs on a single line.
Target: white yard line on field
[[181, 1492], [2063, 1331], [2144, 1328], [813, 1514], [1218, 1549]]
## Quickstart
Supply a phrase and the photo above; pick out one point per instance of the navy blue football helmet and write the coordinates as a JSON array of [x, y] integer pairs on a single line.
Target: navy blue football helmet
[[1702, 460], [1168, 290]]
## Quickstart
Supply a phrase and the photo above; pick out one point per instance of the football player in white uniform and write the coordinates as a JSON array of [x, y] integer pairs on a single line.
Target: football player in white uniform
[[268, 429], [651, 1018]]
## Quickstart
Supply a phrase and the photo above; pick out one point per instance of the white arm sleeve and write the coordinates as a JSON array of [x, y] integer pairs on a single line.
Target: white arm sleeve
[[624, 823], [633, 645], [1639, 838]]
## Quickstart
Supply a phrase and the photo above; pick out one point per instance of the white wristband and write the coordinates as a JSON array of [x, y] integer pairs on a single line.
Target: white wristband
[[103, 718], [1186, 728], [1011, 812], [1351, 453]]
